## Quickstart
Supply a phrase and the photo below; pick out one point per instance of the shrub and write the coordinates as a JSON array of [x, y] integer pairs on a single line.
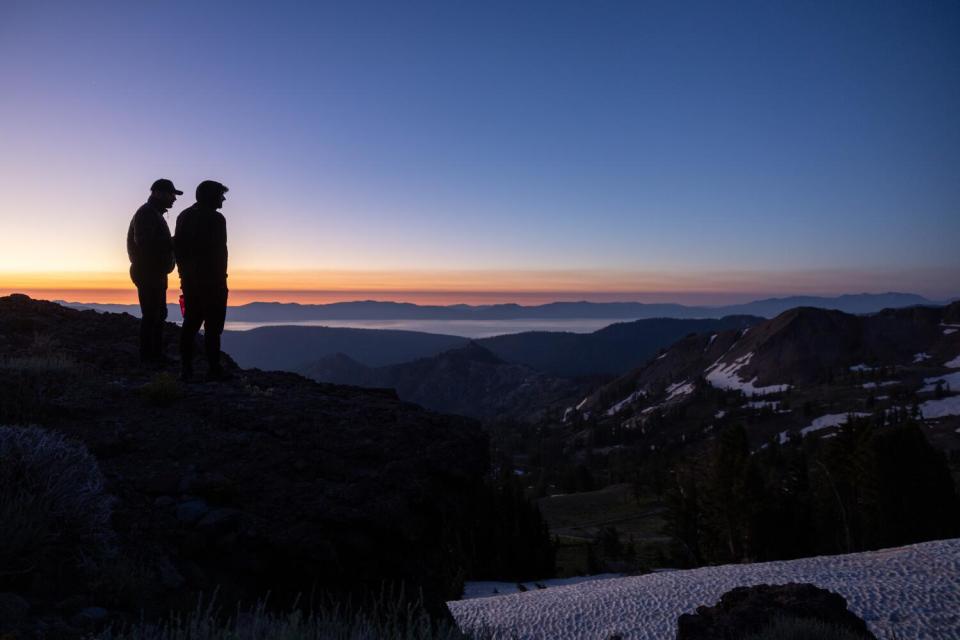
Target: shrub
[[52, 502], [162, 391], [390, 617]]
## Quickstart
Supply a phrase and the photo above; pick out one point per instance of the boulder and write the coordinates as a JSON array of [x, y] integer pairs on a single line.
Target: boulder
[[746, 610]]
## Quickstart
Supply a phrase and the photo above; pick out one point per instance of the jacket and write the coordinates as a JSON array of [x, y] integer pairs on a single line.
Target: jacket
[[200, 243], [149, 247]]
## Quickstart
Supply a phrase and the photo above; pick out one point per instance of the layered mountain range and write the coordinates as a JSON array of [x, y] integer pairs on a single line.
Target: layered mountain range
[[801, 372], [609, 351], [276, 312]]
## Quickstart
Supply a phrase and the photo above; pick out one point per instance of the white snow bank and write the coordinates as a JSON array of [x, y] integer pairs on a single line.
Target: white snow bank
[[829, 420], [953, 379], [906, 592], [620, 405], [678, 389], [940, 408], [953, 364], [724, 376], [487, 588], [874, 385]]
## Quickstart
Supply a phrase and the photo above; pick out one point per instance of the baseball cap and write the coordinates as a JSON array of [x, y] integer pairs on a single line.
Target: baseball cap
[[165, 185]]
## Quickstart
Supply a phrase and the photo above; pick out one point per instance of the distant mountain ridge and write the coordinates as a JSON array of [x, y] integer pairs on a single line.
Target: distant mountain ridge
[[276, 312]]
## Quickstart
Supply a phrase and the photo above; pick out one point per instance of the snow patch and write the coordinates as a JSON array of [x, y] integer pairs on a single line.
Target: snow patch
[[874, 385], [952, 379], [953, 364], [487, 588], [678, 389], [861, 367], [920, 357], [905, 592], [830, 420], [620, 405], [941, 408], [725, 377], [582, 402]]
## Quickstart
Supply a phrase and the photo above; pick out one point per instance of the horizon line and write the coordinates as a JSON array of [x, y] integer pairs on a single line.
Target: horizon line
[[243, 297]]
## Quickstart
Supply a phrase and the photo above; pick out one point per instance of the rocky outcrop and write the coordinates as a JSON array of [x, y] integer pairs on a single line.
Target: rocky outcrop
[[267, 482], [747, 610]]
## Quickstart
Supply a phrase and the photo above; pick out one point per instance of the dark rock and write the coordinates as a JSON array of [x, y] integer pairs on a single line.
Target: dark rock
[[90, 618], [746, 610], [220, 521], [170, 578], [192, 511], [209, 485], [164, 501], [13, 608], [73, 603]]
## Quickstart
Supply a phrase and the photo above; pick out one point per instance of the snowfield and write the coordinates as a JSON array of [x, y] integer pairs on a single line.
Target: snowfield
[[912, 591], [941, 408], [725, 377], [830, 420], [952, 379]]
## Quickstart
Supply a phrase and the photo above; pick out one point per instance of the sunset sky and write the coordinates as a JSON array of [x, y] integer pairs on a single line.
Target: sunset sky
[[461, 151]]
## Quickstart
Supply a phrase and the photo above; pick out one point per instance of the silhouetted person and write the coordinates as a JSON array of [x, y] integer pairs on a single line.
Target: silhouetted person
[[150, 249], [200, 242]]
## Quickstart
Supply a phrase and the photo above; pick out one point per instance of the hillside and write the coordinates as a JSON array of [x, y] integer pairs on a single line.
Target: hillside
[[804, 370], [609, 351], [287, 348], [266, 482], [469, 380]]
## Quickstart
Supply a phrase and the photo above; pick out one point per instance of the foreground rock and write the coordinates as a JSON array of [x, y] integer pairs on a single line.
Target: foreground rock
[[747, 610], [266, 482]]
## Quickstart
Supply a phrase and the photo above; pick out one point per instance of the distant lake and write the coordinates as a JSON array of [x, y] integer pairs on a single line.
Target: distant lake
[[465, 328]]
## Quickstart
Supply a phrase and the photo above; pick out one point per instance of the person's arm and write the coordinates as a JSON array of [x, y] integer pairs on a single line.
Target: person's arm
[[222, 244]]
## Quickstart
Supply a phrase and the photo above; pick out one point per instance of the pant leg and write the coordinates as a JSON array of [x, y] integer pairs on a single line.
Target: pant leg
[[161, 323], [153, 313], [192, 319], [214, 318]]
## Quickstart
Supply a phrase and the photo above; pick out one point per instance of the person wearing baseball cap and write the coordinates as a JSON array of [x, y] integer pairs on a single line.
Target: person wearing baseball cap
[[150, 249]]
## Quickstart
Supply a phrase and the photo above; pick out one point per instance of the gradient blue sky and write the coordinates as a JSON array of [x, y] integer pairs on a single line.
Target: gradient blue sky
[[711, 149]]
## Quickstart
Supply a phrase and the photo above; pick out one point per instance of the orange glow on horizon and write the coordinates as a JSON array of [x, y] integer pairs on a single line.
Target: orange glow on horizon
[[445, 287]]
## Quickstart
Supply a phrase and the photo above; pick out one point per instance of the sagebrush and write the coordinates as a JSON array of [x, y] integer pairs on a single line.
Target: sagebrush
[[53, 505]]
